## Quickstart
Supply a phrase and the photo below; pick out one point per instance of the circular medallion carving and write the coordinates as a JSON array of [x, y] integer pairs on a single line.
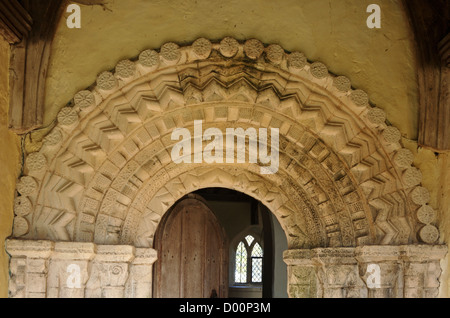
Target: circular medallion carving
[[275, 53], [106, 81], [429, 234], [149, 58], [392, 134], [297, 60], [171, 52], [426, 214], [376, 116], [21, 227], [253, 49], [404, 158], [84, 99], [319, 70], [360, 97], [202, 48], [67, 116], [229, 47], [27, 186], [36, 161], [420, 196], [342, 83], [412, 177], [22, 206], [125, 68], [53, 138]]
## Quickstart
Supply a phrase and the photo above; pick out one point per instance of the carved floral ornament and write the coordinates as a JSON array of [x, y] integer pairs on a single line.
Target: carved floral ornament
[[104, 173]]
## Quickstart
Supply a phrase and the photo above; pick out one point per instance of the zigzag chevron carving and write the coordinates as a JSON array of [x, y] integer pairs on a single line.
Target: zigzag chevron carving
[[104, 174]]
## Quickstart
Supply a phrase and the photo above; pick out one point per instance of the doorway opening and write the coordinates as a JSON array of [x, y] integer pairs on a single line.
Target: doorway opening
[[248, 235]]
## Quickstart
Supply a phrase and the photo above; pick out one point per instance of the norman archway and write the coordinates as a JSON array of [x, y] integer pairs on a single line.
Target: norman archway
[[104, 175]]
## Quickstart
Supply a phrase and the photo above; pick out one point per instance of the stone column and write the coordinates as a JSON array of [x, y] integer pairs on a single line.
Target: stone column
[[422, 270], [69, 270], [110, 271], [303, 281], [324, 272], [77, 270], [339, 273], [382, 271], [139, 283], [29, 268]]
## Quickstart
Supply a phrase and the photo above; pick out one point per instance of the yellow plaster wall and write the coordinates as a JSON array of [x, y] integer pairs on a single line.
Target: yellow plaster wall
[[381, 62], [9, 167]]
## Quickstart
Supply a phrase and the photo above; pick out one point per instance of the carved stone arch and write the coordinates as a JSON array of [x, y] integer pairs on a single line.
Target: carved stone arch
[[345, 189], [85, 183]]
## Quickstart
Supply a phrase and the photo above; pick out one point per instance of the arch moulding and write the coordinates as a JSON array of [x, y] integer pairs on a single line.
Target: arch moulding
[[345, 190]]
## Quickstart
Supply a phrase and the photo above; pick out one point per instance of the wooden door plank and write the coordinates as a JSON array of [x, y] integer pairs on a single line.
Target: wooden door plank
[[212, 260], [170, 257], [193, 267], [191, 235]]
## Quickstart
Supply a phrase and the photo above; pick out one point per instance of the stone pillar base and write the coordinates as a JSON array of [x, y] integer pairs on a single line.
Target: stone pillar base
[[369, 271], [79, 270]]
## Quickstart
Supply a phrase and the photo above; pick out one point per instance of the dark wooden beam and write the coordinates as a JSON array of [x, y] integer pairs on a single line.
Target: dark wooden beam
[[29, 64], [444, 96], [430, 23], [15, 21]]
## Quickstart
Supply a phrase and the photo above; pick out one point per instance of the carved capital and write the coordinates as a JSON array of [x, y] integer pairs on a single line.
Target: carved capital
[[79, 270], [369, 271], [29, 268], [333, 273], [422, 270]]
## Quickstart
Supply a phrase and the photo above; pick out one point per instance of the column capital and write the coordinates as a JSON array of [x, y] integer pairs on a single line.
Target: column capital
[[74, 251], [145, 256], [424, 253], [368, 254], [30, 249], [115, 253], [336, 255]]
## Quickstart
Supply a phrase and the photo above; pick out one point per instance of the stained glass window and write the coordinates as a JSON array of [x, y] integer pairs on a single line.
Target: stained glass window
[[249, 259]]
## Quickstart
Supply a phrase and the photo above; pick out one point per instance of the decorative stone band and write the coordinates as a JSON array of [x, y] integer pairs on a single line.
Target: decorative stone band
[[370, 271], [43, 269]]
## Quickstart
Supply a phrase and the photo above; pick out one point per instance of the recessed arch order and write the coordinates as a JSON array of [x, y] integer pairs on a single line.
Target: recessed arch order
[[105, 175]]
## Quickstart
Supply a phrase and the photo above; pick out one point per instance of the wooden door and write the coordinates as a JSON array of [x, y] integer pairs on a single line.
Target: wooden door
[[192, 255]]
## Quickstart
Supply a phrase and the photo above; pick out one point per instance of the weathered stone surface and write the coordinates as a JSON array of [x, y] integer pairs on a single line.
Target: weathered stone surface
[[90, 153], [79, 270], [370, 271], [342, 180]]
